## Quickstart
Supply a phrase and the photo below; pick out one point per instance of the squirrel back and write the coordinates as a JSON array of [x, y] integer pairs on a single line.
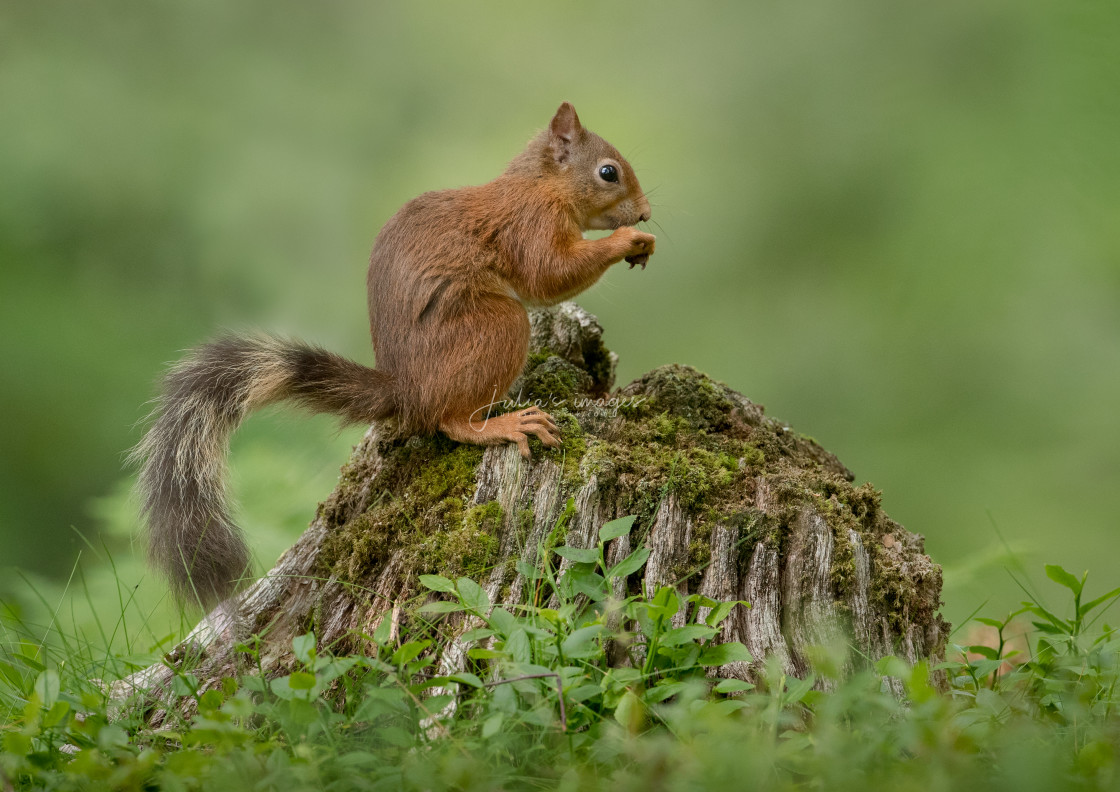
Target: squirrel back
[[450, 275]]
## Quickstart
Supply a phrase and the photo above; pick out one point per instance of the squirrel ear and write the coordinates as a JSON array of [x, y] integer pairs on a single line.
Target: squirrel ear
[[563, 130]]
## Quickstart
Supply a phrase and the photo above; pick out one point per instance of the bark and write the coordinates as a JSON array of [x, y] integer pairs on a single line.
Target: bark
[[732, 504]]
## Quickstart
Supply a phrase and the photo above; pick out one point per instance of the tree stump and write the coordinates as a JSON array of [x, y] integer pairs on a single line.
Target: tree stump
[[732, 504]]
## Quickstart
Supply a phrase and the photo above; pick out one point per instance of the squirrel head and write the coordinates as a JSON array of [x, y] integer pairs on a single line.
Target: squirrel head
[[595, 181]]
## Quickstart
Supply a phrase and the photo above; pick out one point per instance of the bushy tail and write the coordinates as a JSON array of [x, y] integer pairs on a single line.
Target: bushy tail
[[192, 538]]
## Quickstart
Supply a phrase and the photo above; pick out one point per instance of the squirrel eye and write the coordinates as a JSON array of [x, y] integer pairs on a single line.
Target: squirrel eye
[[608, 173]]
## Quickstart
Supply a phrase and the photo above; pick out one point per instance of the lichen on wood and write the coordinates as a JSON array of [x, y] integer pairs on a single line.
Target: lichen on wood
[[733, 504]]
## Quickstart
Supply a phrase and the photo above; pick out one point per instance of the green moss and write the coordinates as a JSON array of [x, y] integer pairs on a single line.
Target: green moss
[[686, 393], [486, 517], [550, 381], [701, 476], [693, 473], [477, 543], [574, 445], [535, 358], [470, 549], [664, 446], [905, 585], [523, 524], [842, 573], [419, 510], [700, 546], [677, 434]]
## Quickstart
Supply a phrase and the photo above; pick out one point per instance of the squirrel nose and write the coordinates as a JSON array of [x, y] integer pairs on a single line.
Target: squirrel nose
[[645, 211]]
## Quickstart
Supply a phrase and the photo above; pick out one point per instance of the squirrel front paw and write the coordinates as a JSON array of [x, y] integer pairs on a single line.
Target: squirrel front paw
[[641, 246]]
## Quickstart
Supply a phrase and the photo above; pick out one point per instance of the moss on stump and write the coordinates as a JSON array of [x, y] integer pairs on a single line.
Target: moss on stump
[[732, 504]]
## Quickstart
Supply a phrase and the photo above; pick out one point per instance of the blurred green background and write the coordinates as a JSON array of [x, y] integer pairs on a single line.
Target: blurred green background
[[897, 225]]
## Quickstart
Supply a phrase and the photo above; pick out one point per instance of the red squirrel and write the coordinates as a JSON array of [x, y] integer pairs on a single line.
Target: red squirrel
[[449, 278]]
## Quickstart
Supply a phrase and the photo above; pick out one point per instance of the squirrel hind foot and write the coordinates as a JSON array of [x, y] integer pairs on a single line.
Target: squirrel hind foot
[[514, 427]]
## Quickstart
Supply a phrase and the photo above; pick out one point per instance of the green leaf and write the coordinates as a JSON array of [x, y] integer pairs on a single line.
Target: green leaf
[[48, 686], [726, 707], [730, 652], [580, 555], [184, 684], [592, 584], [396, 736], [1058, 622], [17, 744], [984, 651], [517, 646], [659, 693], [57, 712], [484, 654], [492, 725], [733, 686], [665, 603], [467, 678], [581, 643], [13, 677], [304, 647], [357, 760], [503, 621], [1060, 576], [687, 634], [582, 692], [210, 700], [528, 669], [281, 687], [983, 668], [630, 712], [528, 571], [990, 622], [620, 678], [328, 671], [301, 680], [722, 611], [616, 528], [479, 634], [991, 701], [437, 583], [473, 595], [629, 565], [891, 666], [254, 684], [797, 688], [384, 629], [409, 651], [701, 601], [28, 660], [441, 606], [1088, 606]]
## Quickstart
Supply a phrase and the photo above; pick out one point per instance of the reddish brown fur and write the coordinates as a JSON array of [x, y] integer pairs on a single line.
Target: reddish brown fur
[[450, 272]]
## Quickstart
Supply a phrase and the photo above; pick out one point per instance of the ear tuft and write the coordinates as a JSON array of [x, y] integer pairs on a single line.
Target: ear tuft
[[563, 130]]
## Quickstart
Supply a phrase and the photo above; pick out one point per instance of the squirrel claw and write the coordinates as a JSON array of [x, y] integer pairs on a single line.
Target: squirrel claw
[[533, 421], [641, 258]]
